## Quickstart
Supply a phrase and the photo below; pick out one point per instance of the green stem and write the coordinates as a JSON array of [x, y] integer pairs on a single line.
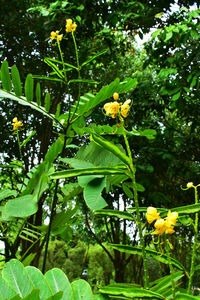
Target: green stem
[[194, 250], [19, 145], [170, 267], [79, 74], [133, 171], [61, 56]]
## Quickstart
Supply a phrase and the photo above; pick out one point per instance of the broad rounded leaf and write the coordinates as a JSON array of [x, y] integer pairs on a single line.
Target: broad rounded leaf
[[21, 207], [81, 290]]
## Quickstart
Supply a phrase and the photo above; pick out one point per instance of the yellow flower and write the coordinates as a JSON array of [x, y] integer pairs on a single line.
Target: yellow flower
[[115, 96], [190, 184], [160, 226], [16, 123], [112, 109], [70, 26], [125, 108], [171, 217], [56, 35], [152, 214]]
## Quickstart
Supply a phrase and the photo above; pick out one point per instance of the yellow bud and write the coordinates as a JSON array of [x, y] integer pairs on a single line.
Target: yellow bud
[[115, 96], [190, 184]]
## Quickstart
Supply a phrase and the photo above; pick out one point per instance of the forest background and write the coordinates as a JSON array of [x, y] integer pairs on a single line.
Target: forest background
[[165, 98]]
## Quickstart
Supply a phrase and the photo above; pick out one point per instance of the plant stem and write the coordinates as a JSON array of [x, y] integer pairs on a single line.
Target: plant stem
[[61, 56], [194, 245], [170, 267], [19, 145], [133, 171]]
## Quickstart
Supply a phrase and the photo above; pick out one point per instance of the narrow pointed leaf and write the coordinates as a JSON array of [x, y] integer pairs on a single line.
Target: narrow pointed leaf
[[16, 81], [93, 57], [131, 292], [83, 81], [29, 88], [115, 213], [183, 296], [28, 138], [47, 102], [49, 59], [149, 252], [23, 101], [87, 171], [100, 141], [47, 78], [5, 76], [49, 62], [58, 111], [163, 283], [38, 94]]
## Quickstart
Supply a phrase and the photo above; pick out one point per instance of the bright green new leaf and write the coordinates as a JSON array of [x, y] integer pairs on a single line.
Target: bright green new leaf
[[16, 81], [89, 81], [34, 295], [81, 290], [38, 281], [29, 88], [6, 292], [49, 62], [15, 275], [5, 76], [58, 281], [21, 207], [28, 138], [7, 193]]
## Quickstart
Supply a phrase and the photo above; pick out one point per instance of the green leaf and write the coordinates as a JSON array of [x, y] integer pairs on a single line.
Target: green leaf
[[38, 94], [149, 252], [182, 296], [58, 281], [23, 101], [169, 35], [16, 81], [15, 275], [29, 88], [7, 193], [148, 133], [89, 81], [28, 138], [47, 78], [49, 59], [81, 290], [115, 213], [93, 57], [57, 296], [194, 34], [127, 191], [176, 96], [49, 62], [47, 102], [100, 141], [131, 292], [58, 108], [92, 193], [21, 207], [156, 33], [34, 295], [8, 292], [87, 171], [38, 281], [5, 76], [165, 282]]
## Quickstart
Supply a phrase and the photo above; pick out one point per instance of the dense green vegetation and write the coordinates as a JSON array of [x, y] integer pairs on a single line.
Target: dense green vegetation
[[91, 176]]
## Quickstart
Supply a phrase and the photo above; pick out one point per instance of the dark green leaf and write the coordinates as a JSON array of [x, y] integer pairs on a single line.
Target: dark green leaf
[[47, 102], [115, 213], [29, 88], [16, 81], [94, 57], [38, 94], [5, 76]]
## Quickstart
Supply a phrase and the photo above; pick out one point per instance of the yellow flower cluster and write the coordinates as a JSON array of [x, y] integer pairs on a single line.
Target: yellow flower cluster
[[70, 26], [56, 35], [114, 108], [161, 225], [16, 124]]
